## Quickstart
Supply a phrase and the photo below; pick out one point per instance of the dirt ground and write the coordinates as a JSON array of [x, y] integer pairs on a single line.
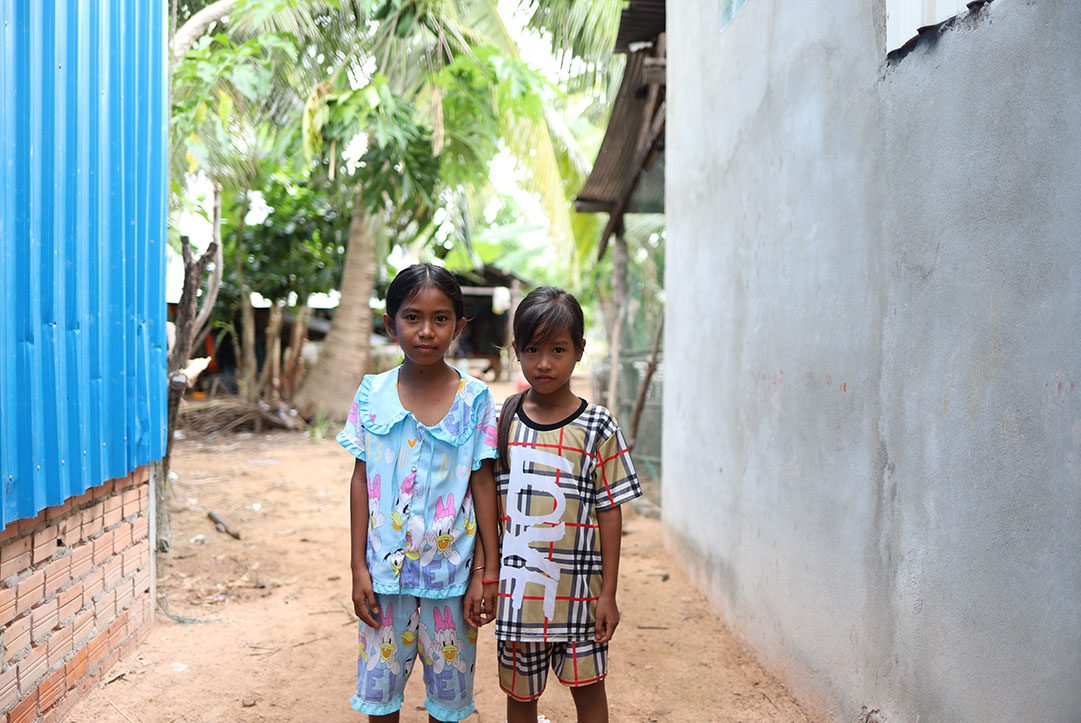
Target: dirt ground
[[277, 641]]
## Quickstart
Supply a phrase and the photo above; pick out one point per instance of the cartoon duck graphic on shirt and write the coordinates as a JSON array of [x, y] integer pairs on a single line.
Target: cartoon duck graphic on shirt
[[442, 535], [395, 559], [444, 648], [375, 517], [385, 647], [414, 537], [401, 505]]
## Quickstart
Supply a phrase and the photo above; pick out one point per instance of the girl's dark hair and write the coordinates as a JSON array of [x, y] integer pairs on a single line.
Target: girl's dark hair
[[543, 315], [411, 280]]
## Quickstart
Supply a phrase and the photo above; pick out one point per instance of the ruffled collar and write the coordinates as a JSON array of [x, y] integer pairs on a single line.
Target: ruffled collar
[[383, 409]]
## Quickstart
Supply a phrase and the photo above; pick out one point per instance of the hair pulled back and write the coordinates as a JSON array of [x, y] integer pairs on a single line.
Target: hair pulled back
[[417, 277]]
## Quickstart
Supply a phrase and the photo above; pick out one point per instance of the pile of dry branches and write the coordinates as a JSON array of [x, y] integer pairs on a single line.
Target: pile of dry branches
[[233, 414]]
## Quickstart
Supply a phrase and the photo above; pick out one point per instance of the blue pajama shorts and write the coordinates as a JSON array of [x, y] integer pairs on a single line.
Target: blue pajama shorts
[[434, 629]]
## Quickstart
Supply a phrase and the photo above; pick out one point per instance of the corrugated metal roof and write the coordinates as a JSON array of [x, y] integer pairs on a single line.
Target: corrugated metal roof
[[642, 21], [82, 229], [630, 112]]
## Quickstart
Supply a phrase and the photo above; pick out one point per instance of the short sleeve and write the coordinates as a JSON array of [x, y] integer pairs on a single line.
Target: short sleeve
[[352, 435], [485, 439], [617, 482]]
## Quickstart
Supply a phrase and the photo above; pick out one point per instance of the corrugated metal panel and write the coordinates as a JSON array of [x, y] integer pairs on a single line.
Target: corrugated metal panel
[[82, 233], [631, 112], [641, 21]]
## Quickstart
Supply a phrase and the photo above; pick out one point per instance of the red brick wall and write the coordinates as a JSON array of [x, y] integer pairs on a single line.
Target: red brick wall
[[74, 596]]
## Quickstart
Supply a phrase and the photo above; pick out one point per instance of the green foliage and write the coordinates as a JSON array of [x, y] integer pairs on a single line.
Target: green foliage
[[584, 31], [283, 89], [321, 427], [482, 95], [470, 119], [298, 248], [217, 87], [399, 169]]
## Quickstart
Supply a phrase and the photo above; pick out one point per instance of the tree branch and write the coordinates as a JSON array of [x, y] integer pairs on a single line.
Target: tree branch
[[185, 315], [214, 284], [197, 24]]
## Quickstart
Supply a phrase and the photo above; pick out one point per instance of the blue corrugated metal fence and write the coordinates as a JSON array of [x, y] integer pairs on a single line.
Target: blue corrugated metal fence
[[82, 228]]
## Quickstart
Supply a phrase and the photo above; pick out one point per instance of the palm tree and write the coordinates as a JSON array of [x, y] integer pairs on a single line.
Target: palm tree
[[414, 43]]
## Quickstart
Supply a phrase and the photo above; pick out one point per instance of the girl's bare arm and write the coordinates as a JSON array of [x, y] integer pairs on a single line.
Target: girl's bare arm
[[364, 602], [611, 531], [485, 506]]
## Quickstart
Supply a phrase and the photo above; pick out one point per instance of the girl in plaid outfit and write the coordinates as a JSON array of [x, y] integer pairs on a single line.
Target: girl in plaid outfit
[[423, 436], [563, 471]]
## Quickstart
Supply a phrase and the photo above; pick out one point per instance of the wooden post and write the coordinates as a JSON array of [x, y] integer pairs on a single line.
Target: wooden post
[[643, 388], [177, 382], [619, 302], [298, 336], [515, 299]]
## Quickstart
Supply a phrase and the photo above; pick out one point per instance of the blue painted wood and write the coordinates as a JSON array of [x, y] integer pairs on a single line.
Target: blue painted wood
[[82, 234]]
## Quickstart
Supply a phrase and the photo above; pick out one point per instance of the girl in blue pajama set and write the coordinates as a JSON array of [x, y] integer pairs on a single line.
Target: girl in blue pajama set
[[422, 493]]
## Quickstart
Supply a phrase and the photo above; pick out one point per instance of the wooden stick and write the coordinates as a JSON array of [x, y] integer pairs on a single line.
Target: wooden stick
[[119, 711], [643, 388], [222, 527]]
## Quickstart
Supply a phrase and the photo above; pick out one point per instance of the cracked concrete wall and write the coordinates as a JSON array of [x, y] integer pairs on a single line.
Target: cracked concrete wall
[[872, 440]]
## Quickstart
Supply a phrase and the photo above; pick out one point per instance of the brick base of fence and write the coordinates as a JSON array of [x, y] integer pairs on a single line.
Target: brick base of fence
[[74, 596]]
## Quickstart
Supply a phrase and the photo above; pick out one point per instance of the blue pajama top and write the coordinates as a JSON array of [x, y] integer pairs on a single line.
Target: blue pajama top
[[421, 527]]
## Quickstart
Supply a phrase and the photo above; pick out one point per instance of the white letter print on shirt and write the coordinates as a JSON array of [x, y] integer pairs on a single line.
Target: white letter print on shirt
[[524, 529]]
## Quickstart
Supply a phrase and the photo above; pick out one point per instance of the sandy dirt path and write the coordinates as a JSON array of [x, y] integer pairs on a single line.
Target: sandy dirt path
[[278, 641]]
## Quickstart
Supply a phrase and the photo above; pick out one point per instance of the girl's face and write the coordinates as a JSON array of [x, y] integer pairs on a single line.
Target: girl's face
[[548, 365], [425, 325]]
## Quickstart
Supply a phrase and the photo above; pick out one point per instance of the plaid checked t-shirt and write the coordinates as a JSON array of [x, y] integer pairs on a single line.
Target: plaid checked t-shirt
[[560, 476]]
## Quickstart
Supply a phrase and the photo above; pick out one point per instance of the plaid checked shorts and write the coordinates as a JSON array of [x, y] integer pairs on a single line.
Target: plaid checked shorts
[[523, 667]]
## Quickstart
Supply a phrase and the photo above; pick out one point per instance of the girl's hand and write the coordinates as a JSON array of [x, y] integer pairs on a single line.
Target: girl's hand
[[607, 618], [364, 602], [472, 605], [491, 595]]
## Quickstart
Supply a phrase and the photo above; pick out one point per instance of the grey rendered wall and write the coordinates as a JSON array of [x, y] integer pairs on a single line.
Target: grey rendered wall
[[872, 440]]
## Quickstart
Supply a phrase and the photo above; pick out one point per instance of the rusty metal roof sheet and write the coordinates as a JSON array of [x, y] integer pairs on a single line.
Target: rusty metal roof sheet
[[616, 156], [642, 21]]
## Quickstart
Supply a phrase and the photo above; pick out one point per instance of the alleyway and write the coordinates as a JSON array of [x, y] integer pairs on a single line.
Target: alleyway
[[278, 639]]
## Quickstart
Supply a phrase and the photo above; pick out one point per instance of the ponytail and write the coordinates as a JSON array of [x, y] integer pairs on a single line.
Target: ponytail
[[506, 416]]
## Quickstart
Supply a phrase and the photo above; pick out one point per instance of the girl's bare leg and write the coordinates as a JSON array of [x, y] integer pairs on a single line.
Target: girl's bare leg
[[520, 711], [388, 718], [591, 702]]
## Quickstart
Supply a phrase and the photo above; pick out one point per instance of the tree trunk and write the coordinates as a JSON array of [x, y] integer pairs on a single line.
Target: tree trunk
[[291, 367], [270, 380], [163, 498], [619, 304], [343, 359], [186, 314], [177, 382], [247, 382]]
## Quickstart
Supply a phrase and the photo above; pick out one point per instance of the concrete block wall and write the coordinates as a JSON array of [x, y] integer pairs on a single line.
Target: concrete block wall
[[75, 596], [872, 404]]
